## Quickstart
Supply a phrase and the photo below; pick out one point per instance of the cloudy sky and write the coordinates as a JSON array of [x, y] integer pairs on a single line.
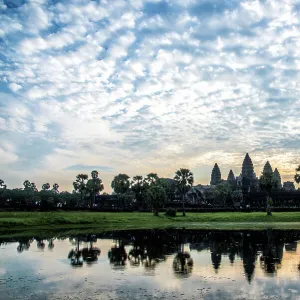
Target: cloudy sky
[[137, 86]]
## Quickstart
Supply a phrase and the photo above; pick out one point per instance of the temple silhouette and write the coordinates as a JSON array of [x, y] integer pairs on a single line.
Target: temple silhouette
[[247, 177]]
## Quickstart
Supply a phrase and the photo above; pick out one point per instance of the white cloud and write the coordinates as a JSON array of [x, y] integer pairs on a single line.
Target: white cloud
[[7, 157], [15, 87], [115, 84]]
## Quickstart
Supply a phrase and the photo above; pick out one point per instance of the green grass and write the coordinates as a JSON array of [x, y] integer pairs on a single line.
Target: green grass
[[119, 221]]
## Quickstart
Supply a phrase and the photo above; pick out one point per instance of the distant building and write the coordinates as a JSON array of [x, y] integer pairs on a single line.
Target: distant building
[[247, 181]]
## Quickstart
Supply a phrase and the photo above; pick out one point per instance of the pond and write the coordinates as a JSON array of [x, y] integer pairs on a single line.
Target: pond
[[152, 264]]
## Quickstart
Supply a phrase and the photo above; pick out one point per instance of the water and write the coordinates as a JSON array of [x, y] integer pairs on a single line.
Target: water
[[152, 264]]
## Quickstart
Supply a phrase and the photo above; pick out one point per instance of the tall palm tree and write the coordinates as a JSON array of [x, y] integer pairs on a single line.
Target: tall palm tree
[[2, 186], [297, 175], [138, 187], [80, 184], [151, 178], [55, 188], [185, 180], [120, 184], [94, 185], [46, 186]]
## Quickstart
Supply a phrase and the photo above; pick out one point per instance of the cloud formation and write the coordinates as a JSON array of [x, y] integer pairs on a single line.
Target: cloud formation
[[142, 86]]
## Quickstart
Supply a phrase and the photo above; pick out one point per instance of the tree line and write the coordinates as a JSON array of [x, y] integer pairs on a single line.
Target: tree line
[[145, 192]]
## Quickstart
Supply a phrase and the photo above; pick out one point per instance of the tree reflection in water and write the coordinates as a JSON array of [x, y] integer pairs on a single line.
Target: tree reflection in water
[[117, 255], [270, 260], [24, 244], [136, 255], [183, 264], [148, 248], [75, 255], [50, 244], [89, 254], [40, 244]]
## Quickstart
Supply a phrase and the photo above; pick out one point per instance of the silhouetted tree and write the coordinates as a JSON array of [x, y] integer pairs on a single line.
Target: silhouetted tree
[[138, 186], [151, 179], [80, 184], [222, 194], [267, 182], [95, 185], [2, 186], [156, 197], [55, 188], [185, 180], [169, 185], [297, 175], [46, 186], [121, 184]]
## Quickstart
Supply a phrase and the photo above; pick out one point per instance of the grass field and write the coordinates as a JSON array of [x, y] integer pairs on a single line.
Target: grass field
[[120, 221]]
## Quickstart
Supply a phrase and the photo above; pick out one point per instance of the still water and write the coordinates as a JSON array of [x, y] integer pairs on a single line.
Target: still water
[[152, 264]]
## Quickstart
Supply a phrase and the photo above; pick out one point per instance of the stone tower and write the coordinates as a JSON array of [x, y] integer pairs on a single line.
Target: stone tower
[[215, 175], [277, 178], [267, 168], [230, 176], [247, 168], [231, 179]]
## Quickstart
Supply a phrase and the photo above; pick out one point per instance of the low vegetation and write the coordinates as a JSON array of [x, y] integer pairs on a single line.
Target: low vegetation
[[121, 221]]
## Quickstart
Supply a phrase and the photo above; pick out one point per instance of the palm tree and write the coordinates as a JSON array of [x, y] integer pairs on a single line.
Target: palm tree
[[156, 198], [138, 187], [80, 184], [185, 180], [151, 178], [297, 175], [2, 186], [46, 186], [55, 188], [120, 184], [75, 256], [94, 185]]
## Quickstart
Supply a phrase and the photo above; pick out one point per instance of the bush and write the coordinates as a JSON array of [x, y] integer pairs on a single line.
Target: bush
[[171, 212]]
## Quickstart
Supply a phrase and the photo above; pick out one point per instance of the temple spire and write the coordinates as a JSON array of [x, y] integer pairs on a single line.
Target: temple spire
[[277, 178], [230, 176], [247, 168], [267, 168], [215, 175]]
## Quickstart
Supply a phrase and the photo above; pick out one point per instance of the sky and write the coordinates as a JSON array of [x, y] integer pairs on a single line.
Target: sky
[[147, 86]]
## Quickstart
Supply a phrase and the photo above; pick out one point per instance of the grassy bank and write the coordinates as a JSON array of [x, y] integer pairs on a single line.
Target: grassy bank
[[119, 221]]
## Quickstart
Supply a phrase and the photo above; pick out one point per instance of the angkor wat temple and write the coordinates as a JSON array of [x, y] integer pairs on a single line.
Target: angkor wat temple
[[245, 187], [247, 177]]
